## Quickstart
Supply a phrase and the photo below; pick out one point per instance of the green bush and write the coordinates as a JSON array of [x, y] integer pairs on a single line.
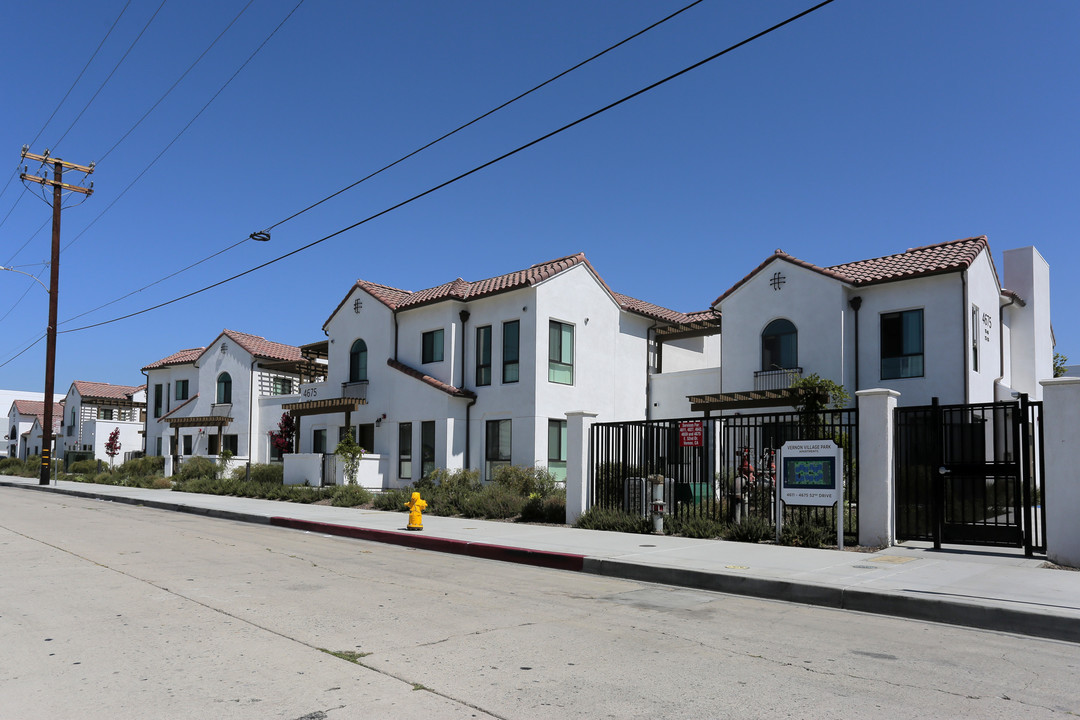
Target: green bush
[[598, 518], [12, 466], [694, 526], [84, 467], [196, 468], [448, 492], [350, 496], [103, 478], [393, 500], [526, 481], [266, 474], [751, 529], [802, 533], [145, 467], [496, 502], [550, 509]]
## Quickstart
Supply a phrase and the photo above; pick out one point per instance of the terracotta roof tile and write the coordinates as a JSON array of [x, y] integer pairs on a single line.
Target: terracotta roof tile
[[37, 409], [88, 390], [183, 357], [260, 347], [433, 382]]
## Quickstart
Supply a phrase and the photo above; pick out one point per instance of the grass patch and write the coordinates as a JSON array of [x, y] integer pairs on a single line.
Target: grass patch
[[350, 655]]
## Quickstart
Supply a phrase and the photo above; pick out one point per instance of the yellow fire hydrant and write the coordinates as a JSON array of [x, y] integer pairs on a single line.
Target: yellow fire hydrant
[[416, 508]]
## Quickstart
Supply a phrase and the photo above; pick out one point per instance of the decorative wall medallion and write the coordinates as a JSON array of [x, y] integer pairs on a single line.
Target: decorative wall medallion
[[777, 281]]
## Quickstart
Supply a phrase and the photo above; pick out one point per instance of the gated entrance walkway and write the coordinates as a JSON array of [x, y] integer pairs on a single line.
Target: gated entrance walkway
[[971, 474]]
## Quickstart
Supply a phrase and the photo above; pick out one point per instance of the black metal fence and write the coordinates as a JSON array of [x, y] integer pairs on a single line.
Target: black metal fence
[[728, 475]]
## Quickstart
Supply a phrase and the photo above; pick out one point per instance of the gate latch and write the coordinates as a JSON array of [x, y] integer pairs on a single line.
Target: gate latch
[[943, 470]]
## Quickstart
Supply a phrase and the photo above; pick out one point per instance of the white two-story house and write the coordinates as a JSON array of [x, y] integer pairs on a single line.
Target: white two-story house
[[93, 411], [24, 418], [226, 396], [934, 321], [482, 374]]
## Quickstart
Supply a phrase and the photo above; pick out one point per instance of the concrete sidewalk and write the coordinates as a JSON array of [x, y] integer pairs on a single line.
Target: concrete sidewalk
[[989, 588]]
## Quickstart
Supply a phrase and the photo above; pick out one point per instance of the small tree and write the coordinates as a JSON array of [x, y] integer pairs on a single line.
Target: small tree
[[112, 447], [1059, 364], [350, 454], [282, 440], [815, 393]]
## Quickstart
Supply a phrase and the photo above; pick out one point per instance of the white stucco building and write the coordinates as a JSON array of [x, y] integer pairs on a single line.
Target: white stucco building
[[225, 396], [481, 374], [24, 419], [934, 321], [93, 410]]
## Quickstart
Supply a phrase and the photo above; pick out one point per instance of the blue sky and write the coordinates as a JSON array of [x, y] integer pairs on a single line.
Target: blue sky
[[861, 130]]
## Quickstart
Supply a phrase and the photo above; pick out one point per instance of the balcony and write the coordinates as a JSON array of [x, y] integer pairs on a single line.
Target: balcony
[[776, 379], [355, 390]]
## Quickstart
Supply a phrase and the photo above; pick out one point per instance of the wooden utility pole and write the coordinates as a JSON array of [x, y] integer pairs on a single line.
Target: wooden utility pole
[[58, 186]]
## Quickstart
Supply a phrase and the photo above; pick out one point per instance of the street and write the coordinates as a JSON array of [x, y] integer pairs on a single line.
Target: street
[[110, 610]]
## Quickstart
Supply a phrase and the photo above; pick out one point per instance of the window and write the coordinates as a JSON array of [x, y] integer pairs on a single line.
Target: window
[[318, 441], [483, 355], [432, 350], [187, 444], [157, 446], [282, 386], [358, 361], [343, 431], [975, 338], [224, 389], [158, 396], [427, 447], [557, 449], [229, 443], [405, 450], [902, 344], [560, 353], [105, 413], [510, 351], [211, 444], [181, 389], [366, 436], [497, 446], [779, 346]]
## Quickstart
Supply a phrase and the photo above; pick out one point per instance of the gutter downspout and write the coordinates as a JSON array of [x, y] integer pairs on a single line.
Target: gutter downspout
[[1001, 343], [464, 316], [855, 303], [967, 334]]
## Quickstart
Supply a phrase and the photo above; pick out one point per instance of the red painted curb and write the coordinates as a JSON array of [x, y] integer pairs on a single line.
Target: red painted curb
[[504, 553]]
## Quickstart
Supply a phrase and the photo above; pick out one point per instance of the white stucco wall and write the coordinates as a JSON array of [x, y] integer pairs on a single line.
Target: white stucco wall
[[1027, 274]]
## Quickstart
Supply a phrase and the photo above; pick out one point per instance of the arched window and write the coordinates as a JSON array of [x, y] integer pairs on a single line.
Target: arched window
[[779, 346], [358, 361], [224, 388]]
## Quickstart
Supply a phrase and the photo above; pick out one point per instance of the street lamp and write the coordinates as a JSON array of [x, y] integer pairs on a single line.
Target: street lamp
[[32, 277]]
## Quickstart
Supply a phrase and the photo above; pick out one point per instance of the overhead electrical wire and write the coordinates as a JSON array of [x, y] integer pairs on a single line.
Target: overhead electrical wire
[[463, 175], [409, 155]]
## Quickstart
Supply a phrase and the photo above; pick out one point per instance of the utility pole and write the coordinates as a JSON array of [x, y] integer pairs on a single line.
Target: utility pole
[[59, 186]]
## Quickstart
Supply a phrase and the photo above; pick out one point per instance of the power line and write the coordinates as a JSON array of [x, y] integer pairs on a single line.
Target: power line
[[489, 112], [466, 174], [24, 350], [403, 158], [104, 82]]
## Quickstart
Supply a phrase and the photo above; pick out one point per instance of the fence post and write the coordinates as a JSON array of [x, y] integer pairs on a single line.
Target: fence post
[[578, 425], [877, 511], [1061, 485]]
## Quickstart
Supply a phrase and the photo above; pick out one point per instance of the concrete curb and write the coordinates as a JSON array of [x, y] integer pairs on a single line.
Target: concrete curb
[[923, 607]]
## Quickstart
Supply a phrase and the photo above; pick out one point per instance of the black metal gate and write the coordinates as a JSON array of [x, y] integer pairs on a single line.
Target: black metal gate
[[971, 474], [729, 476]]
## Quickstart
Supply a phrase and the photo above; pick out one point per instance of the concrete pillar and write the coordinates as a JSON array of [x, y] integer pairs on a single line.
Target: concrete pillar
[[1061, 486], [578, 425], [877, 510]]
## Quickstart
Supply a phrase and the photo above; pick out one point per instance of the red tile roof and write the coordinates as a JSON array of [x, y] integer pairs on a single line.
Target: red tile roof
[[37, 409], [463, 290], [90, 390], [260, 347], [437, 384], [183, 357], [936, 259]]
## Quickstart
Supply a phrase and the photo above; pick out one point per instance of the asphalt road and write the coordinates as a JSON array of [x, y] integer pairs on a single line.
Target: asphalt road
[[110, 610]]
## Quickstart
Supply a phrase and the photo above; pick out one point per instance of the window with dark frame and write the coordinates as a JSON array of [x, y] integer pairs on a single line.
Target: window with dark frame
[[557, 449], [511, 350], [975, 338], [282, 386], [224, 389], [405, 451], [902, 344], [497, 446], [780, 345], [431, 346], [560, 353], [483, 355], [358, 361], [427, 447], [158, 396], [181, 389]]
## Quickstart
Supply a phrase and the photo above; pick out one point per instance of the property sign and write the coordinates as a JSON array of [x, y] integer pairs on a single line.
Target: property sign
[[810, 473], [691, 433]]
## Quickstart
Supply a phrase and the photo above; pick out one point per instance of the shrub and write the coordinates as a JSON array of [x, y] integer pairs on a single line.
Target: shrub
[[526, 481], [751, 529], [103, 478], [350, 496], [12, 466], [448, 491], [84, 467], [196, 467], [550, 509], [148, 466], [393, 499], [693, 526], [598, 518], [802, 533], [265, 474], [492, 501]]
